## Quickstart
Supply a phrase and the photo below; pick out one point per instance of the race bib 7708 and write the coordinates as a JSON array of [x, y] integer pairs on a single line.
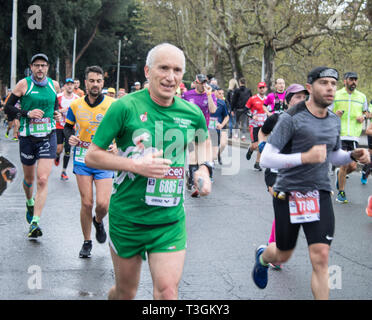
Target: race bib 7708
[[304, 207]]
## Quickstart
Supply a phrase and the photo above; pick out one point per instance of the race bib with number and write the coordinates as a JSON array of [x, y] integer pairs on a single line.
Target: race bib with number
[[40, 127], [304, 207], [166, 192], [80, 151], [213, 123], [259, 119]]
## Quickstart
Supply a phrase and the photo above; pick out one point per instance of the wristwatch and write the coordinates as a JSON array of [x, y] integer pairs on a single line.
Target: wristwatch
[[210, 166], [352, 157]]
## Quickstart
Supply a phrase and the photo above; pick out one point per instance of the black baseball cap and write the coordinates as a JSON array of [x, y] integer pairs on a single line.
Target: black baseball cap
[[322, 72], [201, 78], [350, 74], [39, 56]]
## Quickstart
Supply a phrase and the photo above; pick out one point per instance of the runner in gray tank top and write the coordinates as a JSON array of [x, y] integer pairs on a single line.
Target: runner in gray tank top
[[303, 142]]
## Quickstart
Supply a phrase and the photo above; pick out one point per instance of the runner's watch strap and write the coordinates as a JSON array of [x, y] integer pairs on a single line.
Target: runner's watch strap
[[209, 165], [352, 157]]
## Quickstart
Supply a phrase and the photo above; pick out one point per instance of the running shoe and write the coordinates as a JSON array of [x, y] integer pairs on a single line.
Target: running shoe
[[260, 272], [6, 134], [64, 176], [257, 166], [56, 161], [363, 179], [34, 231], [15, 139], [86, 249], [341, 197], [100, 231], [249, 154], [29, 213]]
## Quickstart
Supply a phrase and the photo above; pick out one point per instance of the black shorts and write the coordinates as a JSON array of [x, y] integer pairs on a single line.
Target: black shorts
[[32, 149], [321, 231], [61, 139], [60, 136], [11, 118], [349, 145], [254, 133]]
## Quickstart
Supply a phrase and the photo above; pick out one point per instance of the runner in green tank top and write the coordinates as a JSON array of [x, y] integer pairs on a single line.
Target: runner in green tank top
[[151, 128], [42, 98], [38, 97]]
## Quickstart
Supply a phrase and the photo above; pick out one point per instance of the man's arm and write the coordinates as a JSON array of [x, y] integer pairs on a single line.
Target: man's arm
[[341, 157], [202, 175], [18, 91], [211, 104], [235, 98], [56, 86], [224, 122], [272, 158], [151, 165]]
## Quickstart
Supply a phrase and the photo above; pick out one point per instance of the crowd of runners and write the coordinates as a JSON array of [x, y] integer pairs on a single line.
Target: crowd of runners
[[144, 152]]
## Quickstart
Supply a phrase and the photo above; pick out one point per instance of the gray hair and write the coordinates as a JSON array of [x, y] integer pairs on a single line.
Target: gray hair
[[152, 53]]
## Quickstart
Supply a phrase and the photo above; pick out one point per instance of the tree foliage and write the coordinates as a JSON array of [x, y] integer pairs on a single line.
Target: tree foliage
[[230, 38], [99, 24]]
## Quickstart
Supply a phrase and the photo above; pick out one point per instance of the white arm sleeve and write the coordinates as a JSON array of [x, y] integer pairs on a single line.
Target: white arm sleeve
[[272, 158], [340, 157]]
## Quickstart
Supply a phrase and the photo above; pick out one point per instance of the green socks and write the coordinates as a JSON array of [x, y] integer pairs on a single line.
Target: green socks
[[30, 202], [35, 219], [262, 262]]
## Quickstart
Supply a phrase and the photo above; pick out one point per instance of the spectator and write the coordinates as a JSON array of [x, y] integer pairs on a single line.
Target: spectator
[[238, 109]]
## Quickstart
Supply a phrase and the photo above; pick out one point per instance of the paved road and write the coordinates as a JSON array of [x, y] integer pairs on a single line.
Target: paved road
[[223, 231]]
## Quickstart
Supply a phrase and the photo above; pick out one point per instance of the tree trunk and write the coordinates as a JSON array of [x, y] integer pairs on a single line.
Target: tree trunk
[[235, 62], [369, 11], [68, 66], [269, 61], [92, 36]]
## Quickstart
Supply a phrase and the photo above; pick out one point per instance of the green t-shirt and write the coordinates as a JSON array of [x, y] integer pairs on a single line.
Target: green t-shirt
[[43, 98], [140, 126]]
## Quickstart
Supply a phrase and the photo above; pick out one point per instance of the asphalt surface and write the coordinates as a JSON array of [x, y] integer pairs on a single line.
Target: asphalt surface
[[223, 231]]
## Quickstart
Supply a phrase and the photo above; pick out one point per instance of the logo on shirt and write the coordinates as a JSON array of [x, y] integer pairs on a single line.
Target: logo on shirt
[[99, 117], [183, 123], [143, 117]]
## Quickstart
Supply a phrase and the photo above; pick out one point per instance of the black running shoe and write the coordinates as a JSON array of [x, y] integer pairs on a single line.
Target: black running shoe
[[249, 154], [34, 231], [257, 166], [86, 249], [100, 231]]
